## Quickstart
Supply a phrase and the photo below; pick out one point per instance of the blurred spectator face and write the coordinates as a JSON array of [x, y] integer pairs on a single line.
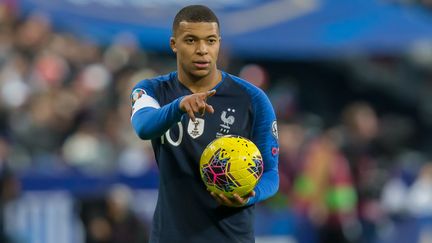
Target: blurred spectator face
[[116, 57], [100, 230], [119, 200], [292, 137], [89, 52], [93, 79], [34, 32], [119, 54], [255, 74], [362, 121], [366, 123], [197, 48], [7, 10], [50, 70]]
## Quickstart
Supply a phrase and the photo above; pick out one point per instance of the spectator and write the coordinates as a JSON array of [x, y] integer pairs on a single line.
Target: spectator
[[117, 223]]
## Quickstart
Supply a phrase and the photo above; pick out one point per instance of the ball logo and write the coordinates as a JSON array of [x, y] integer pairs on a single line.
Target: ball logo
[[196, 129]]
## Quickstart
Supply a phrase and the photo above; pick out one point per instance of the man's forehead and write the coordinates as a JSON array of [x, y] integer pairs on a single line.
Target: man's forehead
[[191, 27]]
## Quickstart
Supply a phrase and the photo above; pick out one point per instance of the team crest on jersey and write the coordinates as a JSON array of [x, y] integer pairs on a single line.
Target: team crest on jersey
[[196, 129], [136, 94], [228, 119]]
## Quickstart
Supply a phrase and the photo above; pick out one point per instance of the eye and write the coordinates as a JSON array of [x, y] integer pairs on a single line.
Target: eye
[[212, 41], [189, 41]]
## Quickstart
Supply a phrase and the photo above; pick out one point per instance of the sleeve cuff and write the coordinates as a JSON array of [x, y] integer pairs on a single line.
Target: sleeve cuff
[[253, 200], [177, 106]]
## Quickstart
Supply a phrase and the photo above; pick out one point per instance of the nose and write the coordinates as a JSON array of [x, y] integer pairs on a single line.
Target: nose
[[202, 48]]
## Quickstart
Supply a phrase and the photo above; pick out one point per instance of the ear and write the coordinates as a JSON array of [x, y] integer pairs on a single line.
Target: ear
[[173, 44]]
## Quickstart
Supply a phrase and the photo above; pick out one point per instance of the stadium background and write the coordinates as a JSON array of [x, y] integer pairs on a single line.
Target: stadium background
[[351, 82]]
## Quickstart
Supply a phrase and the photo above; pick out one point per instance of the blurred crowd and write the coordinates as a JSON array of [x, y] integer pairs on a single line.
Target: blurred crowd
[[349, 174], [64, 106], [65, 102]]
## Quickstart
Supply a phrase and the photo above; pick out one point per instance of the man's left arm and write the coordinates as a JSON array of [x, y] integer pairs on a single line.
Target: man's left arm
[[265, 136]]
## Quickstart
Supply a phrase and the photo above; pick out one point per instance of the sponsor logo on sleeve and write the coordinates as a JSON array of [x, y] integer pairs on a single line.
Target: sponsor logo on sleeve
[[275, 151], [140, 100], [136, 94], [274, 130]]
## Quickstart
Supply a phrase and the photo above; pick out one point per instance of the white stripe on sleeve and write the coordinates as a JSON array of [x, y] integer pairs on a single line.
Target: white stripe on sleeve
[[144, 101]]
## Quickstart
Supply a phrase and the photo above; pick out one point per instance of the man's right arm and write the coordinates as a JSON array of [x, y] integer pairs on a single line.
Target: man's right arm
[[149, 120]]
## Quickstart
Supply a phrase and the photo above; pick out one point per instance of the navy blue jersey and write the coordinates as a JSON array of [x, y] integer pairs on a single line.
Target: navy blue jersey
[[185, 210]]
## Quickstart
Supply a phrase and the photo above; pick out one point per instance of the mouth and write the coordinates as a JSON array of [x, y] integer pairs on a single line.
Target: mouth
[[201, 64]]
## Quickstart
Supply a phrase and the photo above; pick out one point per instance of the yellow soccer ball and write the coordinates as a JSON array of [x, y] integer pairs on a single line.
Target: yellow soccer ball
[[231, 164]]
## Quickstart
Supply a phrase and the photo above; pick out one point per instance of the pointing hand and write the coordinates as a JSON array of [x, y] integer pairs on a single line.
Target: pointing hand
[[197, 103]]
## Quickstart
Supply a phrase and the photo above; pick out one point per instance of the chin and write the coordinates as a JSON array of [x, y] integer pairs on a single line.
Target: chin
[[200, 73]]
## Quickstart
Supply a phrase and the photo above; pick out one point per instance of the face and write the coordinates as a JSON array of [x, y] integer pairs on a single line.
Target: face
[[197, 48]]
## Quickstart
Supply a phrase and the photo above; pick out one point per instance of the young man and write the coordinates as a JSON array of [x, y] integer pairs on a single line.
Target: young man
[[184, 111]]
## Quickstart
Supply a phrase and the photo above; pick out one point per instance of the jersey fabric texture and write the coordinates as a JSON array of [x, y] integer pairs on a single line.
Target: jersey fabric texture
[[185, 210]]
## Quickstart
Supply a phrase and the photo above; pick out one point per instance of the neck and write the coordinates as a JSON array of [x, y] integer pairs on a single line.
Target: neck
[[203, 84]]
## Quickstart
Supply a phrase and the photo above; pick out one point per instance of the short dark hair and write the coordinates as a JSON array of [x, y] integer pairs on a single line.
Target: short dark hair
[[195, 14]]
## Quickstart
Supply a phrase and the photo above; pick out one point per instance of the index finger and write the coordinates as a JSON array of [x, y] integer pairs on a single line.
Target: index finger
[[190, 112], [224, 199], [210, 93]]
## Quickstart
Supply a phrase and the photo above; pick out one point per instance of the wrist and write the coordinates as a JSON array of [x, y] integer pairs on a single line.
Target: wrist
[[178, 103]]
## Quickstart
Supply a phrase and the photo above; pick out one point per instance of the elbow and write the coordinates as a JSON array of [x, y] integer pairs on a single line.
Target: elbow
[[141, 132], [140, 128]]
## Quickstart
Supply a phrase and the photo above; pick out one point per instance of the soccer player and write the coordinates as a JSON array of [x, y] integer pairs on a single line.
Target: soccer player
[[182, 112]]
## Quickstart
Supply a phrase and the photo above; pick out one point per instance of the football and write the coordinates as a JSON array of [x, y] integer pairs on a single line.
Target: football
[[231, 164]]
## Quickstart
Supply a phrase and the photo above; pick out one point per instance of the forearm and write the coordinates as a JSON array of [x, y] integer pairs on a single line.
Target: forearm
[[266, 187], [150, 122]]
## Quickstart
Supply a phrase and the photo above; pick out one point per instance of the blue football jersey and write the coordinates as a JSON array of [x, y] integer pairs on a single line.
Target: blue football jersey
[[185, 211]]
